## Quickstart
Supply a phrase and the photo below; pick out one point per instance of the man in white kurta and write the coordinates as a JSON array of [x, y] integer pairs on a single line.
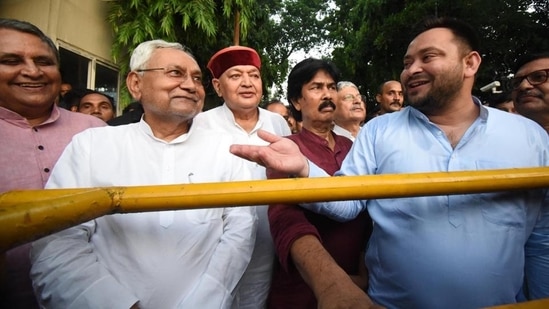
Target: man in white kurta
[[237, 79], [168, 259]]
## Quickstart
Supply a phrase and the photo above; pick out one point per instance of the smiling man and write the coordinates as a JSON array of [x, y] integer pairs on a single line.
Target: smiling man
[[531, 88], [168, 259], [448, 251], [237, 79], [34, 132]]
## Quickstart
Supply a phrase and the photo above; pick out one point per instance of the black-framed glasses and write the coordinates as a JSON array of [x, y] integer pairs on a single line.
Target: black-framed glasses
[[535, 78], [177, 74]]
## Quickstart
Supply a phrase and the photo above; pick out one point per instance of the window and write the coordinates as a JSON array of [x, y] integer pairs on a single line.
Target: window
[[85, 71]]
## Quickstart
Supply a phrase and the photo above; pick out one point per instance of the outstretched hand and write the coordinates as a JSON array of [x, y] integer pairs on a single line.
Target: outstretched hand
[[281, 154]]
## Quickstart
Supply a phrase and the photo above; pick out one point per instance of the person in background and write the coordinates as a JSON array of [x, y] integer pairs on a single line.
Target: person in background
[[97, 104], [190, 258], [531, 87], [503, 101], [276, 106], [350, 112], [65, 87], [389, 97], [34, 132], [236, 72], [450, 251], [309, 245]]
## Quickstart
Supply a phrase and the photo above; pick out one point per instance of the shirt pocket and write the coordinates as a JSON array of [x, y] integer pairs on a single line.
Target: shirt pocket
[[203, 216], [504, 208]]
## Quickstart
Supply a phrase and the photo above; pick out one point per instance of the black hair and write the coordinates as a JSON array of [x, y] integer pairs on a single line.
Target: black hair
[[302, 73], [133, 106], [524, 59], [463, 31], [91, 91], [23, 26], [500, 98]]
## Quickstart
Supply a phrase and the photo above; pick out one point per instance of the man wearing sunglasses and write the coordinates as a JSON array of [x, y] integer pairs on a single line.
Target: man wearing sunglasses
[[531, 88]]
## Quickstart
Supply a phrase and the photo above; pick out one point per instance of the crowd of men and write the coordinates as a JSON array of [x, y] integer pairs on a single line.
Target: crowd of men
[[453, 251]]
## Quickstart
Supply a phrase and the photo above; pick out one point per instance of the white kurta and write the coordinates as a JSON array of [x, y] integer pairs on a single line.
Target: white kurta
[[255, 285], [343, 132], [169, 259]]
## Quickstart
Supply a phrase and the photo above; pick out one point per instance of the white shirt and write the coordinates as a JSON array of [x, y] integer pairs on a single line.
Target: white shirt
[[343, 132], [254, 287], [169, 259]]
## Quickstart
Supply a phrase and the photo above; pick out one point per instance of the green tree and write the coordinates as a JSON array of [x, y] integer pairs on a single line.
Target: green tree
[[284, 28], [204, 26], [276, 28], [373, 34]]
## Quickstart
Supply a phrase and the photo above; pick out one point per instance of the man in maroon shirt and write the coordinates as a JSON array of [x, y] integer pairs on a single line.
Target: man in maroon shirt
[[310, 246]]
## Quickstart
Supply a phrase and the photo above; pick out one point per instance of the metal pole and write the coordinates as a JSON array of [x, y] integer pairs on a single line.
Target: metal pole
[[29, 215]]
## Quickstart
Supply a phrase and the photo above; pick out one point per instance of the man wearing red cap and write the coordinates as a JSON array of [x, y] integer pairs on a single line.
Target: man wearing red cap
[[237, 79]]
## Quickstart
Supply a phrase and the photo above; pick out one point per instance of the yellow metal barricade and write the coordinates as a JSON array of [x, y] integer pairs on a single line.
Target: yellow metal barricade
[[31, 214]]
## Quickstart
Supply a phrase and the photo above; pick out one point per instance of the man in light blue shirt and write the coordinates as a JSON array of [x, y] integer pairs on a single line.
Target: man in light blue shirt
[[456, 251]]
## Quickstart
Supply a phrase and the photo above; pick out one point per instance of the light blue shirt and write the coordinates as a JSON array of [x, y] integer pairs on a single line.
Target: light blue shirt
[[453, 251]]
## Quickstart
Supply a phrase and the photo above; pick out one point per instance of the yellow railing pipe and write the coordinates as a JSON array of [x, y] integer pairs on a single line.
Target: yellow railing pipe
[[30, 214]]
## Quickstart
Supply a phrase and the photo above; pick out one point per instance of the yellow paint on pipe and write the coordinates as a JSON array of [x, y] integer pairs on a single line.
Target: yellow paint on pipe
[[28, 215]]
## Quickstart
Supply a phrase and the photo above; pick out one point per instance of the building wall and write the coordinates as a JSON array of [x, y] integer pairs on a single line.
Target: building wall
[[78, 23]]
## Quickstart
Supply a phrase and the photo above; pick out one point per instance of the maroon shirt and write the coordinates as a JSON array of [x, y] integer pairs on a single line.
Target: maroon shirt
[[344, 241]]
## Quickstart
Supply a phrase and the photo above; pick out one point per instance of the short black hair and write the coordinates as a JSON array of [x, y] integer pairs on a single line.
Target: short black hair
[[524, 59], [302, 73], [463, 31], [91, 91], [24, 26]]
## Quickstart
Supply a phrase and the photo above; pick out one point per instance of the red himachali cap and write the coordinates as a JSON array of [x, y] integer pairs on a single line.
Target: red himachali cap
[[230, 56]]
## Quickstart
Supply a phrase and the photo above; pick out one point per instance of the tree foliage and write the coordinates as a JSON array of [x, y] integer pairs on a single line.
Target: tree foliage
[[203, 26], [373, 34], [273, 27], [369, 36]]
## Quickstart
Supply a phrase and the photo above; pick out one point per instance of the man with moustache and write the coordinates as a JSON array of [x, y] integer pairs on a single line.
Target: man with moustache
[[167, 259], [34, 131], [350, 112], [453, 251], [307, 244], [237, 79], [389, 97], [531, 87]]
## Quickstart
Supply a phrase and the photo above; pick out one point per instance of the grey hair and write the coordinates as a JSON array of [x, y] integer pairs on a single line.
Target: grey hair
[[143, 52], [25, 26], [345, 84]]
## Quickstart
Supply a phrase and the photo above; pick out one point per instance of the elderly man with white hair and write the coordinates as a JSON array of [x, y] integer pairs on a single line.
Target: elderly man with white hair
[[350, 111], [168, 259]]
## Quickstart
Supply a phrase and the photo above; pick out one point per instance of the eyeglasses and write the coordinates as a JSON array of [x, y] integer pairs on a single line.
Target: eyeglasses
[[352, 98], [535, 78], [177, 74]]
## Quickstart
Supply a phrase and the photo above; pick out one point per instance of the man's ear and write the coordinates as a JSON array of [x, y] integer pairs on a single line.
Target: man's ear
[[133, 82], [217, 87], [296, 104], [472, 63], [378, 98]]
